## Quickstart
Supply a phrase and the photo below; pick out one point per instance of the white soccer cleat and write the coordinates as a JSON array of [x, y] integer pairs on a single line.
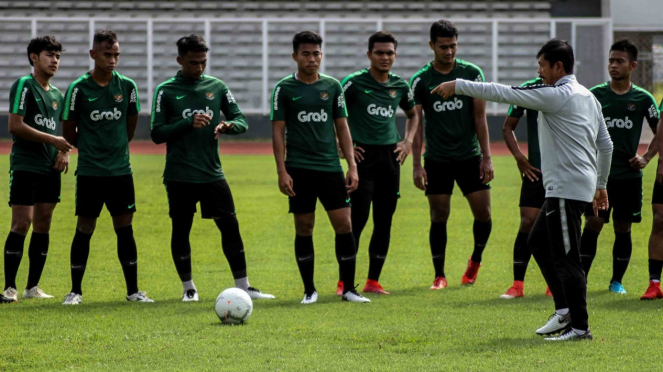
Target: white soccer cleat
[[35, 292], [139, 296], [255, 294], [72, 299], [353, 296], [190, 295], [9, 295], [571, 335], [310, 298], [556, 323]]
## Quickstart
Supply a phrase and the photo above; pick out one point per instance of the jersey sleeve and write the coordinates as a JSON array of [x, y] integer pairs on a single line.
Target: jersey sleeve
[[474, 73], [348, 87], [652, 114], [72, 102], [134, 101], [162, 128], [340, 111], [277, 108], [417, 89], [18, 97], [407, 100], [231, 111]]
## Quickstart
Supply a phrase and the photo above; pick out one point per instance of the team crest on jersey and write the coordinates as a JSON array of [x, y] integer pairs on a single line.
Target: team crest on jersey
[[630, 106], [209, 95], [118, 98], [392, 93], [324, 95], [55, 105]]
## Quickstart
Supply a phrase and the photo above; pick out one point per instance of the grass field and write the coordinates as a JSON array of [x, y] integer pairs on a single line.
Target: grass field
[[458, 328]]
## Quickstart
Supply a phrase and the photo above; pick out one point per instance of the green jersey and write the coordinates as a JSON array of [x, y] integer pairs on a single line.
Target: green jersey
[[372, 107], [624, 115], [101, 116], [449, 127], [193, 153], [40, 110], [309, 111], [533, 151]]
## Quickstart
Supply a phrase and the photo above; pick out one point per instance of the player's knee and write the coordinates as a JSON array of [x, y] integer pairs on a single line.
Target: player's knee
[[622, 227], [439, 214], [86, 225], [343, 227], [594, 224], [526, 223], [658, 222], [42, 224], [21, 226]]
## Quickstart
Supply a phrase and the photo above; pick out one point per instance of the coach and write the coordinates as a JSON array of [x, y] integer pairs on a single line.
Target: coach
[[575, 161]]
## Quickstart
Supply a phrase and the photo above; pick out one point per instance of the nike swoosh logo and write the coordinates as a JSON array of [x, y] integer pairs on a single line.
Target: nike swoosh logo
[[44, 253], [13, 253], [348, 258], [76, 267], [304, 258], [347, 200], [131, 206], [92, 99], [551, 212], [296, 98], [133, 263], [367, 91], [637, 214], [37, 99], [380, 257], [180, 97]]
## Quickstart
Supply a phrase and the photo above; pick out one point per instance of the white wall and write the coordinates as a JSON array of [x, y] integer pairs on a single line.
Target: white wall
[[637, 14]]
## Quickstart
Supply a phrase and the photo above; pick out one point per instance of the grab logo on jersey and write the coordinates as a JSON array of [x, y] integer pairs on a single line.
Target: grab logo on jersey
[[45, 122], [97, 115], [619, 123], [376, 110], [318, 117], [448, 105], [189, 113]]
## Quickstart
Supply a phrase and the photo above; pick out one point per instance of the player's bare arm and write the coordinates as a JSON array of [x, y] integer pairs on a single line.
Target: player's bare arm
[[445, 90], [345, 140], [201, 120], [640, 162], [526, 169], [418, 172], [403, 148], [487, 173], [70, 131], [132, 120], [20, 129], [659, 142], [278, 143], [223, 127]]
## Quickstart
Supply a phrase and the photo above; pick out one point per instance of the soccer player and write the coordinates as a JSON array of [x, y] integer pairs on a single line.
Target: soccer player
[[457, 149], [656, 238], [311, 106], [372, 96], [38, 157], [575, 161], [100, 115], [185, 116], [532, 193], [625, 107]]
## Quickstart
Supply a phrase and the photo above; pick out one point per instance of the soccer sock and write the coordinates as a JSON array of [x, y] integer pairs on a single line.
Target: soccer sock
[[588, 243], [655, 268], [37, 252], [346, 256], [305, 260], [233, 247], [438, 245], [621, 255], [180, 247], [188, 285], [80, 250], [128, 255], [13, 256], [481, 232], [242, 283], [562, 312], [521, 256], [379, 246]]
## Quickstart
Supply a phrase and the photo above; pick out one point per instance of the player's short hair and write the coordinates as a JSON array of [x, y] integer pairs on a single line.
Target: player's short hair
[[192, 43], [42, 43], [443, 28], [104, 37], [626, 46], [305, 37], [556, 50], [381, 37]]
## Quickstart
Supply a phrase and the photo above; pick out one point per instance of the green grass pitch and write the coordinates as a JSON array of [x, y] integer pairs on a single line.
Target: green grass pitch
[[414, 329]]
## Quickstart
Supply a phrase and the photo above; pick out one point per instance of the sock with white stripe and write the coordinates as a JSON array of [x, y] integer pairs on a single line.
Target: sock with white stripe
[[128, 255], [180, 247], [655, 268], [13, 255], [80, 251], [438, 246], [481, 230], [521, 256], [588, 243], [621, 255], [37, 252]]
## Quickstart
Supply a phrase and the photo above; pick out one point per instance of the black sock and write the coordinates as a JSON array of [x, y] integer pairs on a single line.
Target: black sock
[[521, 256], [655, 268], [588, 243], [180, 247], [80, 250], [379, 246], [13, 256], [305, 257], [481, 232], [346, 256], [438, 245], [621, 255], [37, 252], [233, 247], [128, 255]]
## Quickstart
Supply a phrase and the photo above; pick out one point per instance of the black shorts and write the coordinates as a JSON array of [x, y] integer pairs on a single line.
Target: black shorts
[[624, 201], [28, 188], [216, 200], [117, 192], [310, 185], [532, 194], [379, 172], [657, 197], [441, 176]]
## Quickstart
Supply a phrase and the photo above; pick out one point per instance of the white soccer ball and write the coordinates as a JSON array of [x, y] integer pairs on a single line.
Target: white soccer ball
[[233, 306]]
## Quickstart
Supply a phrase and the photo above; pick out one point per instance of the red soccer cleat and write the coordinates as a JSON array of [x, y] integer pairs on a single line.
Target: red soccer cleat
[[517, 290], [439, 283], [548, 293], [339, 288], [653, 292], [372, 286], [470, 275]]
